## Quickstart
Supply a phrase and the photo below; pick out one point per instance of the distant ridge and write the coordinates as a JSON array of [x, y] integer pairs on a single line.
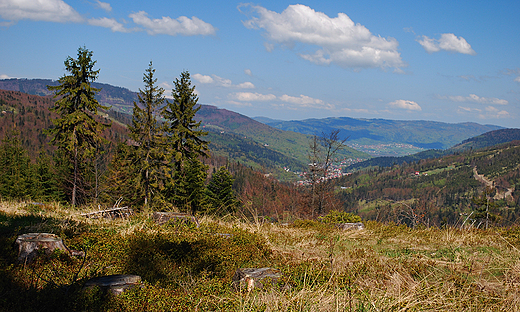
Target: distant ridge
[[486, 140], [366, 134]]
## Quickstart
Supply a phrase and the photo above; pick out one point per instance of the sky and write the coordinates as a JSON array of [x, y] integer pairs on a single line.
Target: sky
[[449, 61]]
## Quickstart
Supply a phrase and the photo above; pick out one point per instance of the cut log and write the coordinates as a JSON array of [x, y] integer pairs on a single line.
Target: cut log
[[32, 244], [351, 226], [116, 284], [165, 217], [113, 213], [250, 278]]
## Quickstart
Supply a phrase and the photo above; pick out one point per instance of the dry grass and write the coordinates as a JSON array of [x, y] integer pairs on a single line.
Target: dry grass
[[383, 268]]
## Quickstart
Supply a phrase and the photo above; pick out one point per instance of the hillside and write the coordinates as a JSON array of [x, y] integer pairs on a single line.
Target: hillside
[[30, 115], [381, 137], [439, 190], [487, 139], [257, 144], [291, 144]]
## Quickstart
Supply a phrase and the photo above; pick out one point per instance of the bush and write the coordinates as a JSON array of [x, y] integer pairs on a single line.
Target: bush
[[336, 216]]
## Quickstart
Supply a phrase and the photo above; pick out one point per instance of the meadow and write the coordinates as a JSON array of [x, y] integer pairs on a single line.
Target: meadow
[[386, 267]]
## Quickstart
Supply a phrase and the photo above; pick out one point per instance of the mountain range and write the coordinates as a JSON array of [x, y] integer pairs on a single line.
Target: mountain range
[[263, 142]]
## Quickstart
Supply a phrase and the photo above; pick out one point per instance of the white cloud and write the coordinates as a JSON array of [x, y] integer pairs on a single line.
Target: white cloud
[[340, 41], [474, 99], [248, 72], [202, 78], [222, 82], [287, 101], [404, 104], [169, 26], [246, 85], [41, 10], [447, 42], [517, 79], [104, 5], [111, 23], [3, 76], [305, 101], [252, 97], [490, 112]]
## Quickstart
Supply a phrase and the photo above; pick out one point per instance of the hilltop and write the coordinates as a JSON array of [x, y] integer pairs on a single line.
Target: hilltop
[[382, 137]]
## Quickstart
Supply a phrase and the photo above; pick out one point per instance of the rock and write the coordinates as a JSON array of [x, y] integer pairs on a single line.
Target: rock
[[116, 284], [32, 244], [164, 217], [351, 226], [250, 278]]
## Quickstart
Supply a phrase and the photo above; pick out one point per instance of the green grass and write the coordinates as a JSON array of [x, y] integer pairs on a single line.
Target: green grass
[[386, 267]]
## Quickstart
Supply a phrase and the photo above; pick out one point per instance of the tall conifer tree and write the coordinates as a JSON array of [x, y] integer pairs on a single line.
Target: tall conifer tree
[[149, 159], [75, 131], [186, 146]]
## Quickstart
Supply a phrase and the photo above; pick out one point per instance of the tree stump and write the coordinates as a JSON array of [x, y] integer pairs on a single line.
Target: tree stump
[[250, 278], [32, 244], [115, 284], [165, 217], [351, 226]]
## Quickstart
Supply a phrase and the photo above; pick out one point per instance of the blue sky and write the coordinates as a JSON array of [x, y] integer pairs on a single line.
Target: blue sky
[[451, 61]]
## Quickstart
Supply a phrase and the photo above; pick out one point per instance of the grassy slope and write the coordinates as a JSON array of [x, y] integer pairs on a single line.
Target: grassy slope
[[382, 268]]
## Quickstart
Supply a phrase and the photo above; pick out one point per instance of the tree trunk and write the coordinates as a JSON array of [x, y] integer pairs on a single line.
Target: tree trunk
[[33, 244]]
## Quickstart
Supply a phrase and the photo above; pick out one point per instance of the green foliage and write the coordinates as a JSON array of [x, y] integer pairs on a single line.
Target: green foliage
[[221, 197], [336, 216], [76, 132], [186, 186], [148, 156]]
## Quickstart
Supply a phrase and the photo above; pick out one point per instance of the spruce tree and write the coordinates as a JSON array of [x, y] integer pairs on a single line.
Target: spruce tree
[[76, 132], [186, 145], [220, 194], [148, 139]]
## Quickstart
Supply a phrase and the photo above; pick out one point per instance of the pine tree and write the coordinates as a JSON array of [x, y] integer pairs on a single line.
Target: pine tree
[[15, 168], [220, 193], [75, 131], [186, 144], [149, 156]]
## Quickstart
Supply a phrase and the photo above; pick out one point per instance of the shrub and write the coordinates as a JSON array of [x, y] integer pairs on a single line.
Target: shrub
[[336, 216]]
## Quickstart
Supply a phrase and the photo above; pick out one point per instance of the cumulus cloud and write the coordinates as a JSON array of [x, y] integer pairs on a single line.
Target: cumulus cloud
[[404, 104], [111, 23], [287, 101], [340, 41], [252, 97], [173, 27], [104, 5], [447, 42], [248, 72], [517, 79], [222, 82], [490, 112], [3, 76], [42, 10], [474, 99]]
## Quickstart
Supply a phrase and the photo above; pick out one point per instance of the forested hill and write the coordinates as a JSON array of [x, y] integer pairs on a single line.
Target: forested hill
[[388, 137], [485, 140], [30, 116], [438, 191], [251, 142]]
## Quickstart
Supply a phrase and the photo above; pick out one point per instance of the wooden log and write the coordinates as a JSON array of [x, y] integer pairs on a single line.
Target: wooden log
[[113, 213], [165, 217], [115, 284], [251, 278], [30, 245]]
